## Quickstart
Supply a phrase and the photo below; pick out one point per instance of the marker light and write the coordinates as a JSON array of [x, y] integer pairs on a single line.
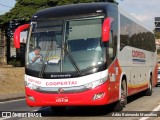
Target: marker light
[[98, 96], [31, 98]]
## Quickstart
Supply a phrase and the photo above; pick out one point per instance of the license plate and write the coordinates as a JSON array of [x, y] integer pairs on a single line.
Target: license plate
[[62, 100]]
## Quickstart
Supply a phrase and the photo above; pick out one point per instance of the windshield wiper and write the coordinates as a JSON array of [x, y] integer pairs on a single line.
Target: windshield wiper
[[73, 61], [44, 65], [70, 58]]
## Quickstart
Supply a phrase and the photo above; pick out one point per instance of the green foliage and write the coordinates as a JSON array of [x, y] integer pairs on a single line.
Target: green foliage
[[65, 2], [26, 8], [158, 51], [157, 35], [15, 63]]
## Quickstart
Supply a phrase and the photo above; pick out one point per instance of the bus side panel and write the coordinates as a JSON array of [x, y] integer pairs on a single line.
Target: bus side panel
[[136, 69], [136, 53], [114, 81]]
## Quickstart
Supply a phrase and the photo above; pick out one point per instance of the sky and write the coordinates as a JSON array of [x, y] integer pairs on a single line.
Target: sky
[[144, 10], [6, 5]]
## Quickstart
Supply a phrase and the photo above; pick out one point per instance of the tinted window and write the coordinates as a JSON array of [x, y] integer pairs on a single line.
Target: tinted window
[[134, 35]]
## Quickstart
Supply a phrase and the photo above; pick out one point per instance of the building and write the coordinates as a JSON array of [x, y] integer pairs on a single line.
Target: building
[[157, 24]]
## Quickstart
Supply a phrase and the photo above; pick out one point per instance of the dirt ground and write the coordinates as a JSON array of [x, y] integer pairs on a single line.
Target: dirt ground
[[11, 80]]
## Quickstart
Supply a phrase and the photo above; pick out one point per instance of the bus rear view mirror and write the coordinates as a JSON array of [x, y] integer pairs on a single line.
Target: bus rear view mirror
[[17, 34], [106, 27]]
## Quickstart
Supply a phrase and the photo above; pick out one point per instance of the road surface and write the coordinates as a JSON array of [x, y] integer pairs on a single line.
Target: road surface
[[136, 103]]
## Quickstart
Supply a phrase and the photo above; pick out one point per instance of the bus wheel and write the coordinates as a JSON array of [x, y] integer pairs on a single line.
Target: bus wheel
[[148, 92], [58, 109], [123, 100]]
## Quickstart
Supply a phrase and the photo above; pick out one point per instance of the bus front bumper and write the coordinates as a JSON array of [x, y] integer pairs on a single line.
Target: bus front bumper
[[96, 96]]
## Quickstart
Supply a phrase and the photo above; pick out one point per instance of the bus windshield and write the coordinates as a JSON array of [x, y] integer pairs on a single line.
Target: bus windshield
[[65, 45]]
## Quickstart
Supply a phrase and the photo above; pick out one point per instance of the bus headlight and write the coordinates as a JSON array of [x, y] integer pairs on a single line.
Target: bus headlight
[[32, 86], [96, 83]]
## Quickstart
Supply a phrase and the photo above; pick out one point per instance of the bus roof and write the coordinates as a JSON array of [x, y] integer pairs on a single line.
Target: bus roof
[[73, 10]]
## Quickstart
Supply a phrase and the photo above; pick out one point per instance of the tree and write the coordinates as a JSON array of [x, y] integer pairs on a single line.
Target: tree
[[157, 35]]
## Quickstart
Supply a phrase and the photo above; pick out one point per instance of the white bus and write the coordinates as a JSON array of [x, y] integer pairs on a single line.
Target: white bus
[[91, 54]]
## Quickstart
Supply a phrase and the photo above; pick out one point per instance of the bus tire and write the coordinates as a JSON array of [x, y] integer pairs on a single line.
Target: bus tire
[[148, 92], [123, 100], [58, 109]]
